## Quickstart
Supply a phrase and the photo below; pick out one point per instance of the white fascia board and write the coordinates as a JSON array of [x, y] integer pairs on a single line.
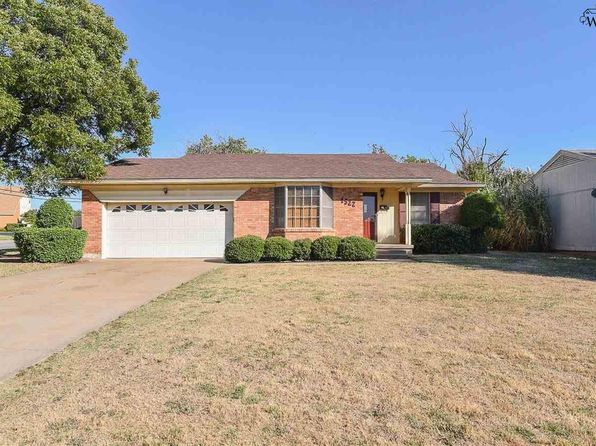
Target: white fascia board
[[178, 196]]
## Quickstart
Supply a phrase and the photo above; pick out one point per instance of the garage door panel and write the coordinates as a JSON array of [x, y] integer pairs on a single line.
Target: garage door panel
[[158, 230]]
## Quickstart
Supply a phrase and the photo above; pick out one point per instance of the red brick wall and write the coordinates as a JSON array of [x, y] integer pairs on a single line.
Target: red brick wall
[[298, 234], [347, 211], [91, 222], [450, 206], [253, 215], [253, 212]]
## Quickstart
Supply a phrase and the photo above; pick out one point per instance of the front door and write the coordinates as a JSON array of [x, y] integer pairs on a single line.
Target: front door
[[369, 214]]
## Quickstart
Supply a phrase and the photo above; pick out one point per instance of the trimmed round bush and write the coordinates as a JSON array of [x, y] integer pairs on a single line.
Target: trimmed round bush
[[246, 249], [278, 249], [50, 245], [441, 239], [325, 248], [302, 249], [54, 213], [356, 248], [481, 210]]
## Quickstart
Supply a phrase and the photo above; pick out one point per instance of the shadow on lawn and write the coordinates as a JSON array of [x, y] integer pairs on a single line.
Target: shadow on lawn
[[575, 266]]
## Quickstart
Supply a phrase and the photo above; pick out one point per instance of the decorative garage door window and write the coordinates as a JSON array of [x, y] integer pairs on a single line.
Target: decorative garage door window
[[209, 207], [222, 208], [179, 208], [193, 207], [116, 209], [146, 208], [131, 207]]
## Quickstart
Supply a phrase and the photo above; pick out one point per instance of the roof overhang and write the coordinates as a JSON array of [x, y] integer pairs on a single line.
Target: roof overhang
[[164, 181], [453, 185]]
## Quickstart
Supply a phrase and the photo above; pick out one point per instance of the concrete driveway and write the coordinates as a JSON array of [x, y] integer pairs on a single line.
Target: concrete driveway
[[43, 311]]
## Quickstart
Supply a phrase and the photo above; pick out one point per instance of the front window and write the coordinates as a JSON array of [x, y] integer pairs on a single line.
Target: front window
[[303, 206], [420, 208], [306, 207]]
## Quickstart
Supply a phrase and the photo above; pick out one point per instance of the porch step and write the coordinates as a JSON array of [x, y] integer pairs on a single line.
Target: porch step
[[391, 252]]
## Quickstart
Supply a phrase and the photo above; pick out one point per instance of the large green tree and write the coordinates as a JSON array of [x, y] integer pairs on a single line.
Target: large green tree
[[69, 101], [206, 145]]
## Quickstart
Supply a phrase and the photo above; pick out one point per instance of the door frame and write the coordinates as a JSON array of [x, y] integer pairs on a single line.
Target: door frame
[[375, 195]]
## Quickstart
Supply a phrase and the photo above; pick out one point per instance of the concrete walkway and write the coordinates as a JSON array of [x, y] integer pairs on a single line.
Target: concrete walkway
[[43, 311]]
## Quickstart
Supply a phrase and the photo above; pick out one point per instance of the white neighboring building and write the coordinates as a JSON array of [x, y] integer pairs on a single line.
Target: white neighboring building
[[569, 179]]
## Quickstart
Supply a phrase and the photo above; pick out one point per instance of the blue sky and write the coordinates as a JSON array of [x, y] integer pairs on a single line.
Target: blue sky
[[335, 76]]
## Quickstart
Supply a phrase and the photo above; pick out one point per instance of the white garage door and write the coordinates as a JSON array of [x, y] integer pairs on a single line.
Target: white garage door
[[168, 229]]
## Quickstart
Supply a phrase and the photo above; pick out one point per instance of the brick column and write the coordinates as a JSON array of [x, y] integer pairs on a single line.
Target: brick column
[[91, 221], [253, 212]]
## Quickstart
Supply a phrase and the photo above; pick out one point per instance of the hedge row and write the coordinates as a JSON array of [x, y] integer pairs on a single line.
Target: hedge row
[[250, 248], [446, 239], [50, 245]]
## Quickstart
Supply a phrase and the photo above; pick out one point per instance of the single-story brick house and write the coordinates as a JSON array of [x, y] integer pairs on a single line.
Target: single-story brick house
[[192, 205]]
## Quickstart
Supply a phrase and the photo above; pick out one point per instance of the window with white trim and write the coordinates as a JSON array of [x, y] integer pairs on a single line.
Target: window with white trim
[[302, 207]]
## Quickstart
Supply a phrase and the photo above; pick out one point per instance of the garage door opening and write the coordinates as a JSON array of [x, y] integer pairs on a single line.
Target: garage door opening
[[136, 230]]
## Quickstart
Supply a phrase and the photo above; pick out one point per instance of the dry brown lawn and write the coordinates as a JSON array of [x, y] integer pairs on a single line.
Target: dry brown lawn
[[11, 267], [438, 352]]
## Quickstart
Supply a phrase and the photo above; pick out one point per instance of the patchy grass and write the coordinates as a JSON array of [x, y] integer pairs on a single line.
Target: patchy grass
[[417, 353], [11, 267]]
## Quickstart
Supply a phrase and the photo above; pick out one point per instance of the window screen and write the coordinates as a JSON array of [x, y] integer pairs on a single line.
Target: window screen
[[420, 208]]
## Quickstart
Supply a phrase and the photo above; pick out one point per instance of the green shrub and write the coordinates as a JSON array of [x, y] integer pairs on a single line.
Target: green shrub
[[29, 218], [302, 249], [441, 239], [356, 248], [54, 213], [480, 211], [278, 249], [50, 245], [246, 249], [325, 248], [12, 227]]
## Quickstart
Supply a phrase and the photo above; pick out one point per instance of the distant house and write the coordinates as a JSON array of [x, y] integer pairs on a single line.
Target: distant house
[[13, 203], [569, 179]]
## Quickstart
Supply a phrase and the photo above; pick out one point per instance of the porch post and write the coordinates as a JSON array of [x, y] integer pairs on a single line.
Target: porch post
[[408, 218]]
